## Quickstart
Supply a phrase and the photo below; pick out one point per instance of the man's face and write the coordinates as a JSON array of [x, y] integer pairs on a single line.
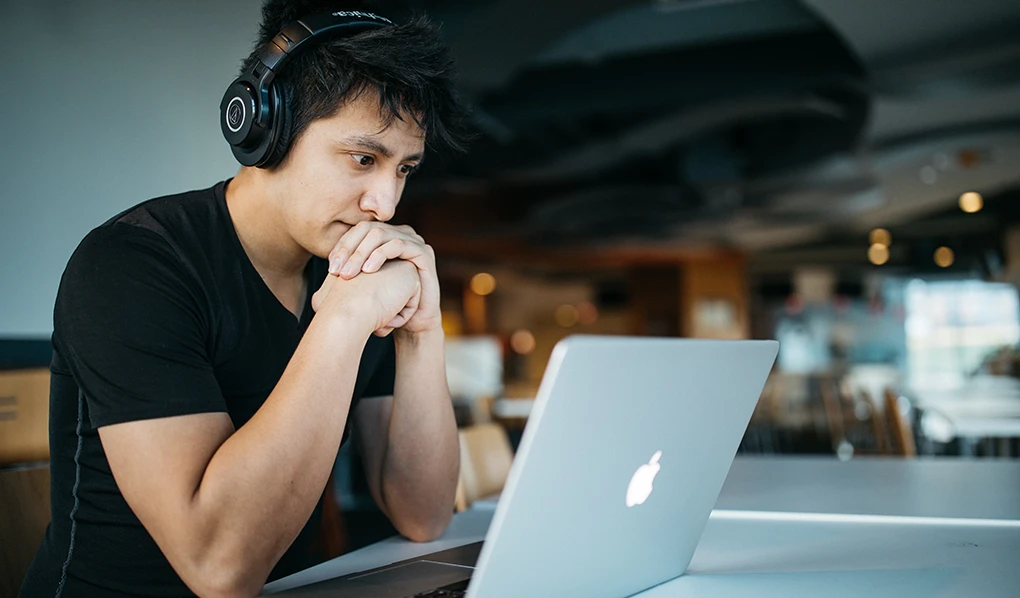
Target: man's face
[[343, 170]]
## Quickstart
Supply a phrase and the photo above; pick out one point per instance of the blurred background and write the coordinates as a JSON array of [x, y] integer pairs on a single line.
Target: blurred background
[[843, 176], [840, 176]]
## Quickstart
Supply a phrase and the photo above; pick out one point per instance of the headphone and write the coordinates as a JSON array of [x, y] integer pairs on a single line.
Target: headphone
[[254, 115]]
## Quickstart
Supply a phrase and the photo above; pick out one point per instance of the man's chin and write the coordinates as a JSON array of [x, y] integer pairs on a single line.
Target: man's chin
[[332, 236]]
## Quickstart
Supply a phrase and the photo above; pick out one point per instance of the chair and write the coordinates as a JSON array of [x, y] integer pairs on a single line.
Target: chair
[[833, 413], [481, 410], [878, 426], [333, 539], [24, 515], [485, 458], [25, 482], [902, 432], [24, 416]]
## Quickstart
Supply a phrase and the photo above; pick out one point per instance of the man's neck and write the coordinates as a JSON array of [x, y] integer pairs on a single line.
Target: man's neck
[[255, 216]]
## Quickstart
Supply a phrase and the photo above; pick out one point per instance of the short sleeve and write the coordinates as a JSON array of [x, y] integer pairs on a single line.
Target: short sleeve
[[382, 378], [128, 320]]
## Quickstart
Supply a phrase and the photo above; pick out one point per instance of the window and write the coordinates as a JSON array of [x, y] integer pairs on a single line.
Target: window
[[952, 326]]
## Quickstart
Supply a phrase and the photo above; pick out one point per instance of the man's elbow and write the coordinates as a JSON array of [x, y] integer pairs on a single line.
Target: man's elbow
[[220, 579], [225, 586], [426, 529]]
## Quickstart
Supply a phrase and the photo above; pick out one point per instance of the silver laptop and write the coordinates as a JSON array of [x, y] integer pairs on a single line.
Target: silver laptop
[[621, 462]]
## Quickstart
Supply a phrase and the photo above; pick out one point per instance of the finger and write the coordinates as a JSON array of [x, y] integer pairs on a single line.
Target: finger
[[419, 254], [374, 239], [407, 312], [346, 246], [396, 248], [410, 232], [403, 317], [383, 332]]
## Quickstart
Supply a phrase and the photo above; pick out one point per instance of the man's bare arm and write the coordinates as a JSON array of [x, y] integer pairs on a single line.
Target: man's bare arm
[[409, 442], [224, 505]]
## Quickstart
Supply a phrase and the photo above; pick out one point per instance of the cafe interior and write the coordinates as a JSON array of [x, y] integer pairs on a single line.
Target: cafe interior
[[843, 177]]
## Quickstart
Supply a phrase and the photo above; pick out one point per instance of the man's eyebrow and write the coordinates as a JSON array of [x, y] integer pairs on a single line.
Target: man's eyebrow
[[373, 145]]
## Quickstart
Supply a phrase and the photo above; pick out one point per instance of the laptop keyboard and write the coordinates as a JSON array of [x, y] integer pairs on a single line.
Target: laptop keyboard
[[454, 590]]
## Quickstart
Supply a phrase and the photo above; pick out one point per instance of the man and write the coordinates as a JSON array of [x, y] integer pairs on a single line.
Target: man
[[196, 404]]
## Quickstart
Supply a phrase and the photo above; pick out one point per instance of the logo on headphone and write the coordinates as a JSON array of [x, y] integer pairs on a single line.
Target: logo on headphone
[[358, 13], [235, 114]]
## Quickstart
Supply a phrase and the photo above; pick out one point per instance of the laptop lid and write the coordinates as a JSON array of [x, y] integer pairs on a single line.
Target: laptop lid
[[621, 462]]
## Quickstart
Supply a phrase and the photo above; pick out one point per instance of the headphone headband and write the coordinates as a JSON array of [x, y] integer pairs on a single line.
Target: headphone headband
[[253, 109], [287, 42]]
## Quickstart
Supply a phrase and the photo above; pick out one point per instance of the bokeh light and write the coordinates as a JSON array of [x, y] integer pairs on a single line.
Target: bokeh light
[[522, 342], [971, 202], [880, 236], [587, 313], [878, 254], [483, 283], [567, 316], [944, 257]]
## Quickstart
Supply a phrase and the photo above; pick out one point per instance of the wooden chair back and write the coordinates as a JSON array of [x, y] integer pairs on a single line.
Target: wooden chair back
[[485, 459], [901, 431], [24, 416]]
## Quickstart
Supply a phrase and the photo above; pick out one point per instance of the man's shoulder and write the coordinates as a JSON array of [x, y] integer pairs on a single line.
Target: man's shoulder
[[182, 223], [174, 215], [168, 228]]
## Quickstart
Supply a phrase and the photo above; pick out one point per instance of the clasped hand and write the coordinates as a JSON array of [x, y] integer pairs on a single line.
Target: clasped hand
[[403, 291]]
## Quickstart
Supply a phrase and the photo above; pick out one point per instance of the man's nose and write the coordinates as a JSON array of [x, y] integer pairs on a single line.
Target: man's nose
[[381, 199]]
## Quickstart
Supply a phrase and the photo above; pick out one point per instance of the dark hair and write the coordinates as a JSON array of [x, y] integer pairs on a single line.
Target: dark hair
[[407, 64]]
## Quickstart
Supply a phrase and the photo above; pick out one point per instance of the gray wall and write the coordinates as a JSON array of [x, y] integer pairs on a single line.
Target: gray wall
[[105, 103]]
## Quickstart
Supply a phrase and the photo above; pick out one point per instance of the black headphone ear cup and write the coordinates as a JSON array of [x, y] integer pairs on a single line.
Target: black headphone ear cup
[[281, 132], [238, 114], [239, 122]]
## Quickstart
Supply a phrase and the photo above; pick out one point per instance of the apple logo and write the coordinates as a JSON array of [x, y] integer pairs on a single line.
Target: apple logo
[[641, 484]]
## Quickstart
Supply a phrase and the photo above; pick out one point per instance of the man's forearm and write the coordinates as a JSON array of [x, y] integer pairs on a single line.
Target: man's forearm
[[419, 473], [262, 484]]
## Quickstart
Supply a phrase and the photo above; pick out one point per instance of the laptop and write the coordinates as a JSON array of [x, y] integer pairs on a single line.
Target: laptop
[[623, 457]]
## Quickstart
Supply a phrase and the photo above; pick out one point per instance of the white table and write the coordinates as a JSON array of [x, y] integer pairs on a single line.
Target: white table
[[744, 557], [925, 487], [989, 407], [788, 527]]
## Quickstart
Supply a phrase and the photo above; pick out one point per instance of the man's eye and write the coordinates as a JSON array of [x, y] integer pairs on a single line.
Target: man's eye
[[363, 160], [408, 169]]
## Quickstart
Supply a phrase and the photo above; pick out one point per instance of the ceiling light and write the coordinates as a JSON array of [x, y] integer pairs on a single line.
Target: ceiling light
[[944, 257], [971, 202], [880, 236], [878, 254]]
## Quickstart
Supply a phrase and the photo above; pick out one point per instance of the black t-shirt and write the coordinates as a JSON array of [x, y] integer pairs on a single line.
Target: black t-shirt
[[159, 313]]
